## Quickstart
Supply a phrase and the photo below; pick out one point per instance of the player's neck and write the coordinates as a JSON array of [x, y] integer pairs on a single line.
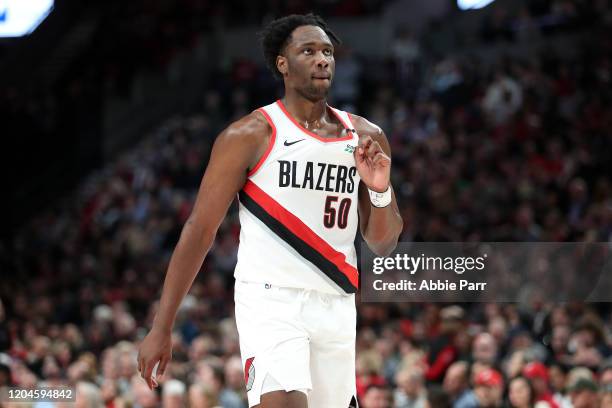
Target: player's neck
[[304, 110]]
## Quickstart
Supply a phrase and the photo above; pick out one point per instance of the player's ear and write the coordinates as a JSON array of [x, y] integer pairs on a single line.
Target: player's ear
[[281, 65]]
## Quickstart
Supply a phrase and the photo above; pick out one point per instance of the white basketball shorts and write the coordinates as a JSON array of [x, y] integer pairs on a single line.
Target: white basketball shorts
[[296, 339]]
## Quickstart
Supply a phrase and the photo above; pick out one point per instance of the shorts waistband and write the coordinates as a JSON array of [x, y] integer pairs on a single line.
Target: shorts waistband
[[303, 291]]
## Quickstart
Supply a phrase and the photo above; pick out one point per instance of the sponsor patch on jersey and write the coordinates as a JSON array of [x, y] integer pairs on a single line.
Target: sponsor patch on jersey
[[349, 148]]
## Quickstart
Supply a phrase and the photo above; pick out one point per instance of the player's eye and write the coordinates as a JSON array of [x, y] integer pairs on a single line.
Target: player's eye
[[307, 51], [327, 52]]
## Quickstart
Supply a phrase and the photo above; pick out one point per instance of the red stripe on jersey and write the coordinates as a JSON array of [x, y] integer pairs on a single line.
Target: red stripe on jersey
[[297, 227]]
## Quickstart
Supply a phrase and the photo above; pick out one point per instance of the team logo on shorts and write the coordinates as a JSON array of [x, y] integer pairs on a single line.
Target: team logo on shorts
[[249, 373]]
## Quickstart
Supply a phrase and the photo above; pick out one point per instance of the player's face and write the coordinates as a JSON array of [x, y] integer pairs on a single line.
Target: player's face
[[308, 62]]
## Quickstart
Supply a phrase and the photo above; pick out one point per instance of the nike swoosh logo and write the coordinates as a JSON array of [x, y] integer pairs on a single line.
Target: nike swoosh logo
[[294, 142]]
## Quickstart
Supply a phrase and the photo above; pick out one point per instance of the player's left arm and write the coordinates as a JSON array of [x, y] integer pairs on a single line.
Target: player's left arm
[[380, 227]]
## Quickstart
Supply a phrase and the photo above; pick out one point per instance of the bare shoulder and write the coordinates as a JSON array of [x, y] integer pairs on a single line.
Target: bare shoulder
[[364, 127], [252, 130], [244, 140]]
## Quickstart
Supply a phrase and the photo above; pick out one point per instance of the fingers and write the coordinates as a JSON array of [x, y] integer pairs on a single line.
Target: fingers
[[373, 149], [380, 159], [161, 369], [372, 154], [145, 367], [140, 364], [368, 147], [147, 372], [365, 142]]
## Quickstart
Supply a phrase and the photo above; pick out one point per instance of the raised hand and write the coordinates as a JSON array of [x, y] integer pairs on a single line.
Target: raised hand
[[373, 165]]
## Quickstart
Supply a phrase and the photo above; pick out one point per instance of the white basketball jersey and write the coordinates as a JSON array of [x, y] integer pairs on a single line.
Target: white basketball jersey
[[298, 209]]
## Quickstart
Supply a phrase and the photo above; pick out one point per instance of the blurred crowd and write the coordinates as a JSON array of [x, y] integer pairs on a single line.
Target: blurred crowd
[[515, 150], [127, 39], [541, 17]]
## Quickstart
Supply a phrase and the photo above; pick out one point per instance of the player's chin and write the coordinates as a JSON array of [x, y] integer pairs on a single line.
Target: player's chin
[[322, 92], [317, 93]]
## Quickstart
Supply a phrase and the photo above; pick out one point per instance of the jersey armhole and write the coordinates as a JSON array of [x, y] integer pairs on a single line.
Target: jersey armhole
[[346, 124], [352, 126], [263, 157]]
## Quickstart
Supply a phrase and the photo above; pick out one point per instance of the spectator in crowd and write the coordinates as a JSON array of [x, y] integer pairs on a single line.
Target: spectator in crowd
[[234, 393], [87, 395], [110, 394], [202, 397], [484, 350], [558, 379], [410, 389], [142, 396], [560, 340], [606, 384], [210, 373], [606, 398], [443, 349], [376, 396], [578, 373], [5, 375], [537, 373], [502, 99], [489, 388], [457, 386], [605, 375], [588, 344], [174, 394], [437, 398], [584, 394], [406, 52], [521, 393], [369, 371]]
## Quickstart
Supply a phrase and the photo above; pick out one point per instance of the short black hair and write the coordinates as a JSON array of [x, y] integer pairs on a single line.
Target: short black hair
[[275, 36], [438, 398]]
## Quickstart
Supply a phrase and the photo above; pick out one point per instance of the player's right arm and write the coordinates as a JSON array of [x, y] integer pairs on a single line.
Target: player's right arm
[[236, 150]]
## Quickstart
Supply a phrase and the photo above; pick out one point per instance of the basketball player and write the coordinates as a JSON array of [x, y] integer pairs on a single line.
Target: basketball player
[[306, 175]]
